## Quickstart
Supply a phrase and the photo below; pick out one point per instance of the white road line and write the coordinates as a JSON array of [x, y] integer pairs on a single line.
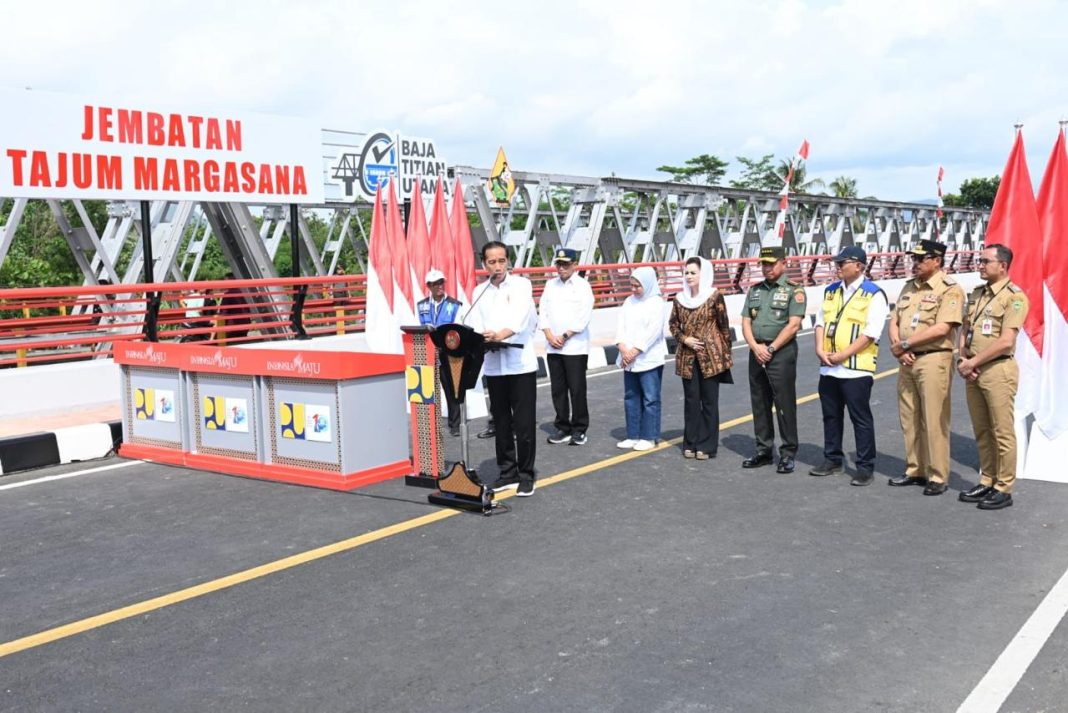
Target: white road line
[[1001, 679], [76, 473]]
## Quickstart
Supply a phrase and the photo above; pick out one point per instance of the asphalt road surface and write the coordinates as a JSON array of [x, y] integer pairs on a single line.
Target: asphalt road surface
[[629, 582]]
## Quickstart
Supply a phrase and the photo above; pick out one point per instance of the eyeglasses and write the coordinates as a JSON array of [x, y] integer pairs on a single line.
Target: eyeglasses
[[920, 258], [987, 261], [847, 262]]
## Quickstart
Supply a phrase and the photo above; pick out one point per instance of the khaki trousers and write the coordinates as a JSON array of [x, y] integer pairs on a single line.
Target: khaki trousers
[[924, 407], [990, 403]]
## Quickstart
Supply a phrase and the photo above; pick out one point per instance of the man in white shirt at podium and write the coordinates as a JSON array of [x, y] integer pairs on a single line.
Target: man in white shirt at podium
[[502, 310]]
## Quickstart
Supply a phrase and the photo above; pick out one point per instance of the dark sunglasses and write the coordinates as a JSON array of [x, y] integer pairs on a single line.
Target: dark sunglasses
[[987, 261]]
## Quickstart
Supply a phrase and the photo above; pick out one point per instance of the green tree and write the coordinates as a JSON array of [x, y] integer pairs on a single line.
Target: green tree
[[758, 174], [979, 192], [798, 184], [706, 169], [843, 187]]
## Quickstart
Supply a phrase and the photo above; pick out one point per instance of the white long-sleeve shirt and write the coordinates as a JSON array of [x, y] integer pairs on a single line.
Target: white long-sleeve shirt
[[567, 307], [509, 305], [877, 314], [641, 325]]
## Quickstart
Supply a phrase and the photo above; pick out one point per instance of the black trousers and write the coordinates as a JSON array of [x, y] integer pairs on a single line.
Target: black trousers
[[700, 413], [775, 384], [512, 400], [836, 395], [454, 408], [567, 372]]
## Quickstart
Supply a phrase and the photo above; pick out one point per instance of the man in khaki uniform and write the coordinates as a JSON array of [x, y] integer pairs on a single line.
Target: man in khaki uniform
[[995, 313], [928, 311]]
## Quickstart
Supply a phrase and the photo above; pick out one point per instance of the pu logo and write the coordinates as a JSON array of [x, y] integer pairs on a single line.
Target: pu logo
[[420, 383], [145, 404]]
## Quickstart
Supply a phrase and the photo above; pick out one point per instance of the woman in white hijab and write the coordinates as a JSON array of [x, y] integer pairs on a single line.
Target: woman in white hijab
[[642, 350], [701, 327]]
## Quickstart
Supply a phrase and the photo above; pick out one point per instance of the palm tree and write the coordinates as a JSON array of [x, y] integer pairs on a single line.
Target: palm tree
[[798, 184], [844, 187]]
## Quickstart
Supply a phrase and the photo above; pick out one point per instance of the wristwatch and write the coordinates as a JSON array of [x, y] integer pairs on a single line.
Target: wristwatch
[[771, 349], [904, 345]]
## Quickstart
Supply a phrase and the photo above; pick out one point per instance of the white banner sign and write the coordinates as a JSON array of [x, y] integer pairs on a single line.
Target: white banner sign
[[59, 146]]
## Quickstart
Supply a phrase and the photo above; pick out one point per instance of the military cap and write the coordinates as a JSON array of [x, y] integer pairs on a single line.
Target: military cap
[[929, 247], [771, 255]]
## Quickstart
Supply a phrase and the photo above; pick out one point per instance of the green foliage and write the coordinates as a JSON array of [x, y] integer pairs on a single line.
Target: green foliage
[[39, 255], [798, 184], [979, 192], [843, 187], [705, 169], [758, 174]]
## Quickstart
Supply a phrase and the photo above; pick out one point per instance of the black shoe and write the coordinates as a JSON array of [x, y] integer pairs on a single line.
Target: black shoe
[[525, 489], [786, 465], [758, 460], [995, 501], [862, 479], [976, 494], [488, 433], [559, 437], [578, 439], [504, 481], [827, 468], [454, 430], [934, 488], [903, 480]]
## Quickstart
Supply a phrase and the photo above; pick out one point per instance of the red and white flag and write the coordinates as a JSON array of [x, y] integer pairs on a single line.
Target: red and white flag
[[380, 329], [403, 297], [1014, 224], [1052, 415], [418, 243], [784, 194], [441, 242], [463, 246]]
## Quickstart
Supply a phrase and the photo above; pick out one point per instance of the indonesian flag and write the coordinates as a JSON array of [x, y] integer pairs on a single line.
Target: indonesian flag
[[441, 242], [464, 249], [941, 203], [1052, 415], [418, 241], [380, 328], [403, 298], [784, 199], [1014, 224]]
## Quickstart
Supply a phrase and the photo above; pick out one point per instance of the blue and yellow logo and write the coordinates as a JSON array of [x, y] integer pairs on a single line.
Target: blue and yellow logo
[[291, 416], [215, 413], [145, 404], [420, 382]]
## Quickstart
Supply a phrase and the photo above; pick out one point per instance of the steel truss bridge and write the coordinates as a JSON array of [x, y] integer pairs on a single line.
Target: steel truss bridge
[[609, 220]]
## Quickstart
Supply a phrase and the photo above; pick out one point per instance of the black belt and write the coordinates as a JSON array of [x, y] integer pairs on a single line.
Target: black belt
[[932, 351], [1003, 357]]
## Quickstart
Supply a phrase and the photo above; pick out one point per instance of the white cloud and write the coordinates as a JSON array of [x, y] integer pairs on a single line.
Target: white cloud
[[884, 91]]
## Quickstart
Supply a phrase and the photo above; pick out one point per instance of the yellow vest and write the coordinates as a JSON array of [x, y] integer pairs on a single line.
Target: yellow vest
[[850, 320]]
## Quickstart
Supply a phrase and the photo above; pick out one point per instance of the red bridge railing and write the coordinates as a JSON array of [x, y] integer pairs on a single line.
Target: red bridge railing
[[54, 324]]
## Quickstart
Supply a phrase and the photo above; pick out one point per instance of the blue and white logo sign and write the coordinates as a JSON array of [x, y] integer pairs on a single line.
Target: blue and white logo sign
[[386, 155]]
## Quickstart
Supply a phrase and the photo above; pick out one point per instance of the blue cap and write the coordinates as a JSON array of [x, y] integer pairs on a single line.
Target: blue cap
[[565, 255], [853, 252]]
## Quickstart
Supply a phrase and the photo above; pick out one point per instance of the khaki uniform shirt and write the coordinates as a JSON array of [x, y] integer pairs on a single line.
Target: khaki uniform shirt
[[923, 304], [771, 304], [991, 310]]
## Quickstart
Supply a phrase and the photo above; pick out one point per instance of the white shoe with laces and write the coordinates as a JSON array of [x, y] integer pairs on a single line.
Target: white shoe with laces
[[627, 444], [643, 445]]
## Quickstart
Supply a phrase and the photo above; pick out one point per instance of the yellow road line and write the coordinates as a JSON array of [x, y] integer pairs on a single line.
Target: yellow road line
[[216, 585]]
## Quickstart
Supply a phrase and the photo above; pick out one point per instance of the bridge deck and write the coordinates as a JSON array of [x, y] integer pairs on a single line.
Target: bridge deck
[[644, 584]]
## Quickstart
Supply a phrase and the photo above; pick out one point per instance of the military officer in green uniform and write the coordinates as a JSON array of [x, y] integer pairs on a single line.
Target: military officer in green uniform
[[771, 318]]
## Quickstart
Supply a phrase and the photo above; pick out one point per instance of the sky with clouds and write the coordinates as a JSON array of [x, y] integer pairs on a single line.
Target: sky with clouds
[[884, 91]]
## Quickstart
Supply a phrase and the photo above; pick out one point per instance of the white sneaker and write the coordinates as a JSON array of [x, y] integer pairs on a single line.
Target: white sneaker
[[627, 444], [644, 445]]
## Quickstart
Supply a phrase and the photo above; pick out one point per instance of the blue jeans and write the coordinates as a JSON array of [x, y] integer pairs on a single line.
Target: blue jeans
[[641, 402]]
